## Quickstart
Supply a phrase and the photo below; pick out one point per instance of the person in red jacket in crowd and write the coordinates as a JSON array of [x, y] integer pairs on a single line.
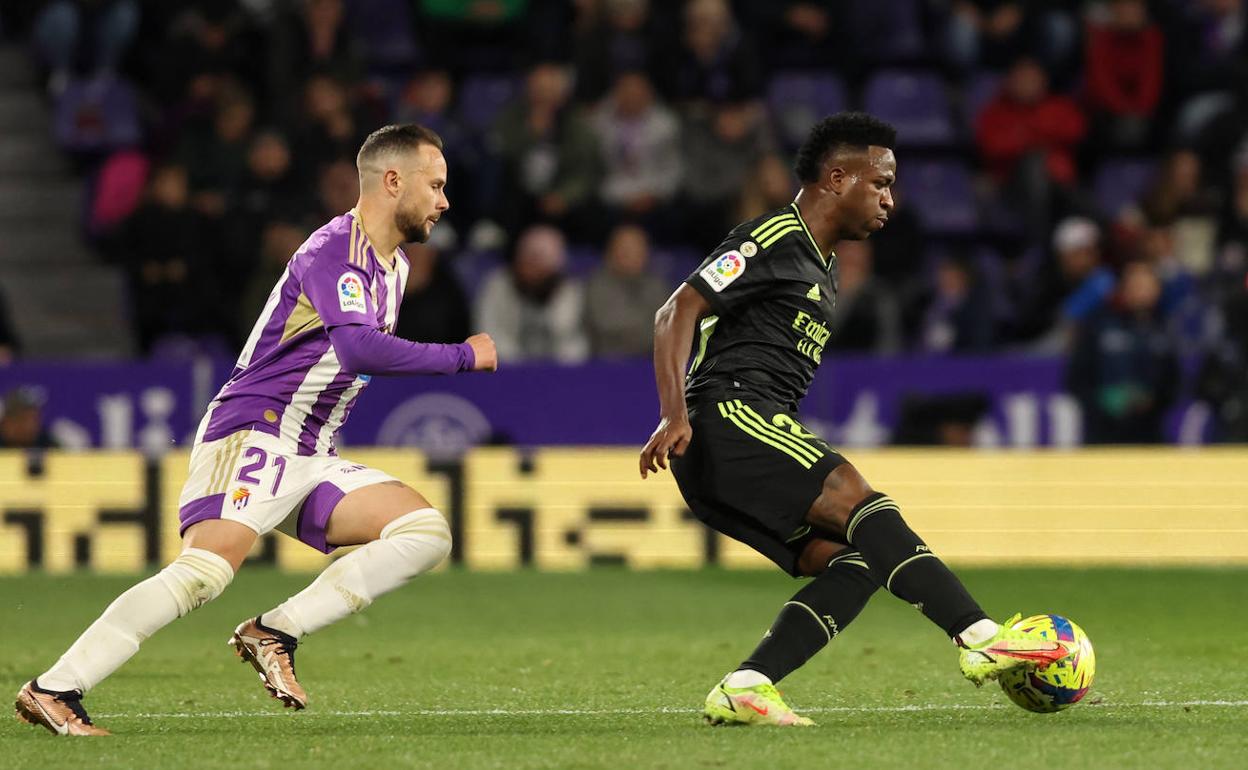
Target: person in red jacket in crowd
[[1027, 137], [1124, 73]]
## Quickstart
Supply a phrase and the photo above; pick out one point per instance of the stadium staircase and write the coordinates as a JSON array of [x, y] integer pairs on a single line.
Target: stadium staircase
[[64, 302]]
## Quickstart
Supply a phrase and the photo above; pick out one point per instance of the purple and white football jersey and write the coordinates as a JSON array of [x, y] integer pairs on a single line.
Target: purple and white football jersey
[[288, 381]]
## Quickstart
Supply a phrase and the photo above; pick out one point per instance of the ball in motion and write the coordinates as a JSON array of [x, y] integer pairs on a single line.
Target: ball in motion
[[1060, 685]]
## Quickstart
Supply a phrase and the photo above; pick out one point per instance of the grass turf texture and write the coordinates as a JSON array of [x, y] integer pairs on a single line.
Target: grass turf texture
[[463, 670]]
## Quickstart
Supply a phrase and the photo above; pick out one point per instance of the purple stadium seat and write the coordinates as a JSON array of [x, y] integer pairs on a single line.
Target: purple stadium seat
[[97, 114], [915, 102], [481, 97], [583, 261], [978, 90], [893, 27], [1121, 182], [383, 29], [797, 100], [943, 195], [472, 267]]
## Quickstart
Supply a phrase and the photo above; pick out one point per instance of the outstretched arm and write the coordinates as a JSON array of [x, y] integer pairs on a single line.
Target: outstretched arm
[[673, 338], [364, 350]]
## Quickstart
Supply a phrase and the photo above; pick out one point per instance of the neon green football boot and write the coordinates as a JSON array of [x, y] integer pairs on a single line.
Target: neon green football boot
[[1007, 650], [757, 705]]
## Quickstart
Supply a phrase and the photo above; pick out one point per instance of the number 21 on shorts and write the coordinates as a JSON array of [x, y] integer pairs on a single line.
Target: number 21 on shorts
[[257, 459]]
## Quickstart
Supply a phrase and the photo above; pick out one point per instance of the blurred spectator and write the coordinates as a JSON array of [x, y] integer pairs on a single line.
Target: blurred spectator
[[640, 141], [991, 33], [9, 343], [1178, 190], [171, 285], [532, 308], [1179, 199], [214, 154], [329, 128], [1073, 287], [867, 318], [1124, 368], [435, 307], [311, 36], [1223, 379], [1027, 138], [427, 99], [622, 297], [270, 189], [958, 316], [279, 240], [202, 41], [551, 161], [715, 61], [722, 145], [1123, 73], [84, 36], [1232, 244], [802, 34], [770, 186], [338, 189], [21, 424], [615, 36]]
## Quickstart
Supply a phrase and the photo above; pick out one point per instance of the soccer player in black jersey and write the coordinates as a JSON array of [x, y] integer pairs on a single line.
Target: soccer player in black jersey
[[760, 307]]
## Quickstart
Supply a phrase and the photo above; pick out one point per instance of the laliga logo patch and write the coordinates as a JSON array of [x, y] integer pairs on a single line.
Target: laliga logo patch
[[241, 497], [724, 270], [351, 294]]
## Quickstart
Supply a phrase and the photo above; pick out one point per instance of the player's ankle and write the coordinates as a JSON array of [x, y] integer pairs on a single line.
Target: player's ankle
[[744, 677], [976, 633]]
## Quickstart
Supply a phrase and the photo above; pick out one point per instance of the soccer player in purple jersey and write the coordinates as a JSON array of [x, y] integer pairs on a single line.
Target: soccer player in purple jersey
[[264, 456]]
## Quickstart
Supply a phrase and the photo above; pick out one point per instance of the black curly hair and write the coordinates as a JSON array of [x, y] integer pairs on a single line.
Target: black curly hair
[[852, 129]]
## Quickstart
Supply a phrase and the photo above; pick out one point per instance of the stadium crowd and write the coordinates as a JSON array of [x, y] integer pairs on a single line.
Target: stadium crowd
[[1073, 175]]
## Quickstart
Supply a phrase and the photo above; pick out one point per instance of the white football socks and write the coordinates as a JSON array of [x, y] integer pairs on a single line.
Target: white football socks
[[978, 632], [415, 542], [744, 677], [194, 578]]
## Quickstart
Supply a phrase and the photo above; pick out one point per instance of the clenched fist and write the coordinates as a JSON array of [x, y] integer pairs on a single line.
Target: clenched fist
[[485, 354]]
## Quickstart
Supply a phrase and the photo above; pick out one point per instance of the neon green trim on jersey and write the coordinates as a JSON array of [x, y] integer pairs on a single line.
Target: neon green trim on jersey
[[706, 328], [822, 258], [770, 223], [777, 235]]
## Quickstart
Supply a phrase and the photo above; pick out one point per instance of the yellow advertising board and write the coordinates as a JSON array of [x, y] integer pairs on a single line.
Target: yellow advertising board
[[570, 508]]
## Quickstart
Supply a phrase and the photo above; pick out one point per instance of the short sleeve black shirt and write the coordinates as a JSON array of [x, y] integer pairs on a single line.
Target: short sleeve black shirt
[[771, 295]]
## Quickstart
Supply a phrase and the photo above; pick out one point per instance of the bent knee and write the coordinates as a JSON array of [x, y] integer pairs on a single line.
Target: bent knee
[[843, 489], [427, 525], [196, 577]]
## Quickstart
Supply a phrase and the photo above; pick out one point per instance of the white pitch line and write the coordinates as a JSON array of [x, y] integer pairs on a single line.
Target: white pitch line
[[662, 710]]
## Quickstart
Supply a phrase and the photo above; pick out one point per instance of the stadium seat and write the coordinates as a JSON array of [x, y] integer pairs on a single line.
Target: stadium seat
[[96, 115], [482, 97], [889, 31], [915, 102], [472, 267], [977, 91], [798, 99], [383, 30], [943, 194], [1121, 182]]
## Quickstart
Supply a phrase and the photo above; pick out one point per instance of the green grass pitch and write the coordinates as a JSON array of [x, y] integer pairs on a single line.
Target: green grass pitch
[[606, 669]]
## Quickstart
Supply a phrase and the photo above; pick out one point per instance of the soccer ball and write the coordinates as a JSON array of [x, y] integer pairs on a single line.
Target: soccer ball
[[1060, 685]]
